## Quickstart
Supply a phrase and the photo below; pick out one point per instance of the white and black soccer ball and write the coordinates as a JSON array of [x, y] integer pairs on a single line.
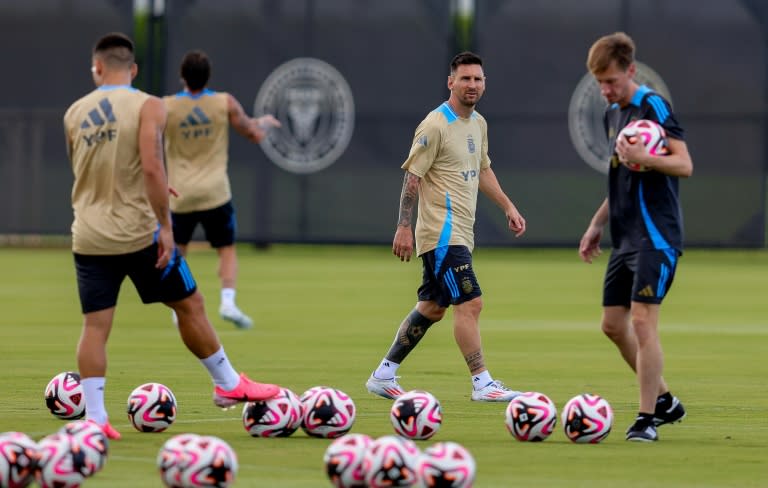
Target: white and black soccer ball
[[327, 412], [531, 416], [280, 416], [64, 396], [446, 465], [60, 462], [173, 457], [91, 442], [210, 463], [587, 418], [416, 415], [344, 460], [391, 460], [151, 407], [18, 460]]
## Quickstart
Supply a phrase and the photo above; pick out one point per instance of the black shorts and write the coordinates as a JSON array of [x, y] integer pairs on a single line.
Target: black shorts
[[641, 276], [218, 223], [99, 278], [448, 276]]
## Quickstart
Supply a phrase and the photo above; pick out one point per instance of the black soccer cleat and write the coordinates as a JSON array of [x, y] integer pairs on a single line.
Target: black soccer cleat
[[639, 433], [669, 415]]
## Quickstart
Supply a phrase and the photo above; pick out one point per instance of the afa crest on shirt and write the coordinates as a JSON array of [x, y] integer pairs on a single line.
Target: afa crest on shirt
[[470, 144]]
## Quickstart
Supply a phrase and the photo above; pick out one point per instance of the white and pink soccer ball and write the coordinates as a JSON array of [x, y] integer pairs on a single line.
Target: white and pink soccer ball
[[210, 463], [344, 460], [90, 443], [280, 416], [173, 458], [59, 462], [446, 464], [587, 418], [531, 416], [649, 134], [64, 396], [327, 412], [151, 407], [416, 415], [391, 461], [18, 460]]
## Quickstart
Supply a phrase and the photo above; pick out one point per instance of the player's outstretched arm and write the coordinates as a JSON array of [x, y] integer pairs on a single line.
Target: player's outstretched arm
[[402, 245], [489, 185], [151, 127], [252, 129]]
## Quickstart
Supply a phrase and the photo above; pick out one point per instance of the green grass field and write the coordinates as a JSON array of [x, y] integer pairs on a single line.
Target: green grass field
[[326, 315]]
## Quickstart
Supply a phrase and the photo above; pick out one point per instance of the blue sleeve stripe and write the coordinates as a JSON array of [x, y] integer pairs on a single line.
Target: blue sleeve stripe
[[450, 116], [653, 232], [659, 107], [445, 235], [450, 281]]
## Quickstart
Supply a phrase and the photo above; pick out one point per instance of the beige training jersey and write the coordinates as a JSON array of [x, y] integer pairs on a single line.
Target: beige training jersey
[[112, 212], [196, 145], [448, 153]]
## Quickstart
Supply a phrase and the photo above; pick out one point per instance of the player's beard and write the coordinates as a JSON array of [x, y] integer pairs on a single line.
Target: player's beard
[[468, 101]]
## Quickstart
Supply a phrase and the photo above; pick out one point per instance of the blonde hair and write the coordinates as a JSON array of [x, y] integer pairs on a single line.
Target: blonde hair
[[617, 47]]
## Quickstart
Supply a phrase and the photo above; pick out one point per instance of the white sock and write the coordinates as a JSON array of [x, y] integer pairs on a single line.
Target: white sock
[[481, 380], [228, 297], [93, 391], [221, 370], [386, 369]]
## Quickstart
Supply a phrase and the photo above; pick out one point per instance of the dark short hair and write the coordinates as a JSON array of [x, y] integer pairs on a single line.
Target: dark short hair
[[465, 58], [195, 70], [617, 47], [115, 49]]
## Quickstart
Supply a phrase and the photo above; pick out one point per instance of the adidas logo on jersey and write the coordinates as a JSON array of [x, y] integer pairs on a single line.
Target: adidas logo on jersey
[[97, 118], [196, 124]]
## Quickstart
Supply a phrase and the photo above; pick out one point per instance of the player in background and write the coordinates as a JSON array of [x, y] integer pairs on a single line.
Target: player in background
[[447, 164], [196, 147], [646, 225], [122, 227]]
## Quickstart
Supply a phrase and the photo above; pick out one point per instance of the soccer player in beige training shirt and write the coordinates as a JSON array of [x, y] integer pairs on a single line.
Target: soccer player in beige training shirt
[[196, 145], [122, 227], [447, 164]]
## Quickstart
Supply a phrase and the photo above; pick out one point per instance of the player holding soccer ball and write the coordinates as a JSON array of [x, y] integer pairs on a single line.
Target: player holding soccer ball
[[122, 227], [447, 164], [645, 218]]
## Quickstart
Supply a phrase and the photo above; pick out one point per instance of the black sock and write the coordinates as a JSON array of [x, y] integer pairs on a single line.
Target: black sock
[[643, 420], [665, 399]]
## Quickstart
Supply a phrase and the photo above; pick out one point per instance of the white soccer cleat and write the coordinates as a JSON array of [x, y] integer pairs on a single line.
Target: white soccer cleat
[[234, 315], [495, 391], [384, 388]]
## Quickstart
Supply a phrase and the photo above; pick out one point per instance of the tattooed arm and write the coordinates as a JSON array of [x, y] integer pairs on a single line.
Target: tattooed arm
[[252, 129], [402, 245], [151, 127]]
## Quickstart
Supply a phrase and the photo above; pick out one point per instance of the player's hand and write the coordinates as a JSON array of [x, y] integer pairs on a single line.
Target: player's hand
[[589, 247], [266, 122], [165, 246], [402, 245], [173, 191], [515, 221], [630, 152]]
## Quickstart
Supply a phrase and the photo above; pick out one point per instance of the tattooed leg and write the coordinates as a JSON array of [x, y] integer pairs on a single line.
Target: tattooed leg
[[409, 334], [475, 362]]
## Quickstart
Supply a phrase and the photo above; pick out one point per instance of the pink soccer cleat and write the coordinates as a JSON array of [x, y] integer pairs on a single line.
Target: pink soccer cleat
[[246, 390]]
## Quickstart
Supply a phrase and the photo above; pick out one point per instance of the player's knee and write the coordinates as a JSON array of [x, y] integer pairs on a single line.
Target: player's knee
[[431, 311], [472, 307], [613, 330]]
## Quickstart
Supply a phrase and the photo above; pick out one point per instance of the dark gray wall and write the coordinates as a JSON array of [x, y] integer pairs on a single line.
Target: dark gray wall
[[394, 55]]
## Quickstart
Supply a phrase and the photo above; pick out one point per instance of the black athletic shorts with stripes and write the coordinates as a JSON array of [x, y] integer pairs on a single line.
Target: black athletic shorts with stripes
[[448, 276], [99, 278], [641, 276], [218, 223]]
